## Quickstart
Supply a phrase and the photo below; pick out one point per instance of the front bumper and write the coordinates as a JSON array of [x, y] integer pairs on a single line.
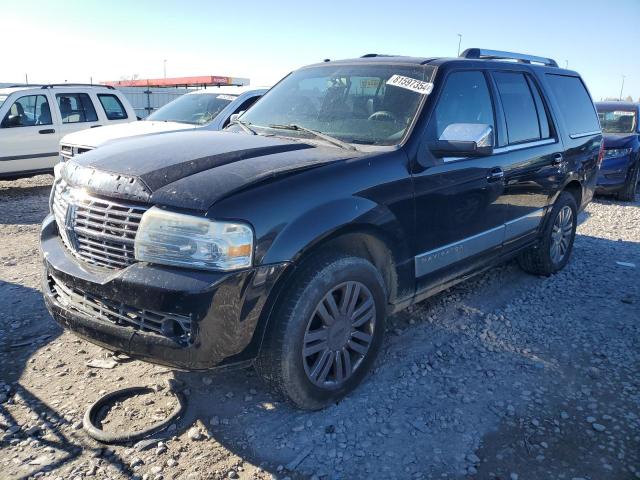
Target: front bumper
[[223, 309], [613, 173]]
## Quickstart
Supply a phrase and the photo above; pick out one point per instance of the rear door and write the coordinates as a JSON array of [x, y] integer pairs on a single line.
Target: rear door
[[76, 110], [530, 152], [460, 210], [28, 134]]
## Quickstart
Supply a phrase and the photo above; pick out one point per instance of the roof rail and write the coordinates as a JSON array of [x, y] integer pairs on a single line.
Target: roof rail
[[372, 55], [484, 54], [51, 85]]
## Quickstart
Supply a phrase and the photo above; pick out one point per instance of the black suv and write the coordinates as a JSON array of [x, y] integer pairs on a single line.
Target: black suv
[[351, 190]]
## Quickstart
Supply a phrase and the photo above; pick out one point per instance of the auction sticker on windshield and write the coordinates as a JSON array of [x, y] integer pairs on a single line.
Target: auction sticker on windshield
[[411, 84], [623, 113]]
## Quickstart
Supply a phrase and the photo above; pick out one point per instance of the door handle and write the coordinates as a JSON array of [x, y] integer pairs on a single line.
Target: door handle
[[46, 131], [495, 174], [94, 126], [557, 159]]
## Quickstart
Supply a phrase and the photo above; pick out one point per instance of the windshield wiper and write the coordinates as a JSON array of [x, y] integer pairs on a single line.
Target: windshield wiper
[[315, 133], [244, 126]]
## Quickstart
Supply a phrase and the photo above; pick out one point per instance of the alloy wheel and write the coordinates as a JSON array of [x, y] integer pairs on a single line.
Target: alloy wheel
[[339, 334], [561, 234]]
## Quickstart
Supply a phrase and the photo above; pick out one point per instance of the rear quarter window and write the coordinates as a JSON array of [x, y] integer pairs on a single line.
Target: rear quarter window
[[576, 107], [112, 106]]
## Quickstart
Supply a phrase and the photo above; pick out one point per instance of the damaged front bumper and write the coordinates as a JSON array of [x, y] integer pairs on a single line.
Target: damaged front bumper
[[181, 318]]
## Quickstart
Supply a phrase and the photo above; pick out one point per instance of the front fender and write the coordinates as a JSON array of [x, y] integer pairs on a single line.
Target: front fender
[[328, 219]]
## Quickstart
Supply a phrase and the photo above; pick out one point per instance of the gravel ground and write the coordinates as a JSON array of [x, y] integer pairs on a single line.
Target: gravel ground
[[506, 376]]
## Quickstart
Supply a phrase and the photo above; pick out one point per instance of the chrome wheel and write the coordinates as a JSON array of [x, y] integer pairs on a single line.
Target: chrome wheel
[[561, 234], [339, 334]]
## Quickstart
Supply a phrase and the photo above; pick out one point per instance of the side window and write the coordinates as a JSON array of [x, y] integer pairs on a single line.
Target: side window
[[243, 107], [464, 99], [28, 111], [576, 106], [519, 107], [543, 117], [112, 106], [76, 108], [246, 104]]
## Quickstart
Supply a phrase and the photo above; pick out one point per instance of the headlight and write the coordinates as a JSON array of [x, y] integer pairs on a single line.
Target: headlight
[[616, 152], [188, 241]]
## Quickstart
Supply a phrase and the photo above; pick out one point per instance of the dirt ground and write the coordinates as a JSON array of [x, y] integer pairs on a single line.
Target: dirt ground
[[507, 376]]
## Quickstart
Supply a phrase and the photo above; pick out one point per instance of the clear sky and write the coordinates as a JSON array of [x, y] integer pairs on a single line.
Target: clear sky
[[74, 40]]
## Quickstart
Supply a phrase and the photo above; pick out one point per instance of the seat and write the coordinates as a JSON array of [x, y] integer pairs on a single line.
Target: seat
[[65, 108], [45, 115]]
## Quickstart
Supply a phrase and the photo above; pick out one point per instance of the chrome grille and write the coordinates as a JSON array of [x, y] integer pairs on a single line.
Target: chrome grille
[[166, 324], [99, 231], [67, 152]]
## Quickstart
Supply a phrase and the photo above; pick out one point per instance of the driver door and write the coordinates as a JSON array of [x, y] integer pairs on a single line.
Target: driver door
[[28, 135], [460, 209]]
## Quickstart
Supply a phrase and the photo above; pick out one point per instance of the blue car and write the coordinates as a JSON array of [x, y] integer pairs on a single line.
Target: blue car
[[621, 164]]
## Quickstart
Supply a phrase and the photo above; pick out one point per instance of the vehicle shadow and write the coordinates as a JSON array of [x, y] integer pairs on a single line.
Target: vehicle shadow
[[27, 331]]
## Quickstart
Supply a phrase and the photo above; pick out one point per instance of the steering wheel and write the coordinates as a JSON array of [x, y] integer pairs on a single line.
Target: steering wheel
[[382, 115]]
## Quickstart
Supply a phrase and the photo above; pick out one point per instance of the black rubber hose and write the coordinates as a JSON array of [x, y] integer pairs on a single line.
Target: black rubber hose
[[120, 437]]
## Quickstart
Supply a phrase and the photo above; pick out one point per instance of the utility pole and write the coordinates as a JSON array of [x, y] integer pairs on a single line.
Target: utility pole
[[566, 64], [621, 87], [164, 62], [26, 79], [459, 42]]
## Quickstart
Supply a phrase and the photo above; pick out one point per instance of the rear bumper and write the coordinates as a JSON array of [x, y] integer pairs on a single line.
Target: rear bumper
[[223, 309]]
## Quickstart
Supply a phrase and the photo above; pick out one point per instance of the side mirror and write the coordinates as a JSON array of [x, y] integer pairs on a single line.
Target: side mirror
[[12, 121], [464, 140], [234, 118]]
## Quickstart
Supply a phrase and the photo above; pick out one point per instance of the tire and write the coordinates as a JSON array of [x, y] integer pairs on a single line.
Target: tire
[[628, 192], [288, 360], [543, 259]]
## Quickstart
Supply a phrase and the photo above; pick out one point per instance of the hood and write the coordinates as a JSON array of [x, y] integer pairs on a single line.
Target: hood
[[96, 137], [192, 169], [619, 140]]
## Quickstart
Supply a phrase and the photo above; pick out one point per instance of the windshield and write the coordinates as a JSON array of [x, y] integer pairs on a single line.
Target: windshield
[[196, 109], [2, 99], [618, 121], [363, 104]]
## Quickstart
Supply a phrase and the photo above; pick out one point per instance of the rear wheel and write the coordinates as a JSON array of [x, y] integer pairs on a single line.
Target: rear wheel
[[628, 192], [554, 250], [326, 333]]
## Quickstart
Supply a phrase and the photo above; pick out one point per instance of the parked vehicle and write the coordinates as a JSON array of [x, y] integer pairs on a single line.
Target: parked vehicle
[[619, 172], [35, 118], [350, 191], [208, 109]]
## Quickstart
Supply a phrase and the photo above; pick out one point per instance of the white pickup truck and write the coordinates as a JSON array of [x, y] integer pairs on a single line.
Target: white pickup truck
[[209, 109], [33, 119]]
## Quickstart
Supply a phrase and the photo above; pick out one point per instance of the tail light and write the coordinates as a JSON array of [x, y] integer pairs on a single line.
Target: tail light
[[601, 154]]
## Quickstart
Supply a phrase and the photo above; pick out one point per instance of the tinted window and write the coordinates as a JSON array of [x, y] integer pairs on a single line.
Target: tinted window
[[518, 105], [113, 107], [543, 117], [575, 105], [28, 111], [76, 108], [464, 99]]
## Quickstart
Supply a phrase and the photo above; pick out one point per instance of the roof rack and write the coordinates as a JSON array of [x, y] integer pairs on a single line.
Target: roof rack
[[484, 54], [51, 85], [372, 55]]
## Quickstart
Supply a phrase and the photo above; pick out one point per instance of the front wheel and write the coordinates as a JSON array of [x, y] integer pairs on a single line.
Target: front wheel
[[326, 333], [628, 192], [556, 244]]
